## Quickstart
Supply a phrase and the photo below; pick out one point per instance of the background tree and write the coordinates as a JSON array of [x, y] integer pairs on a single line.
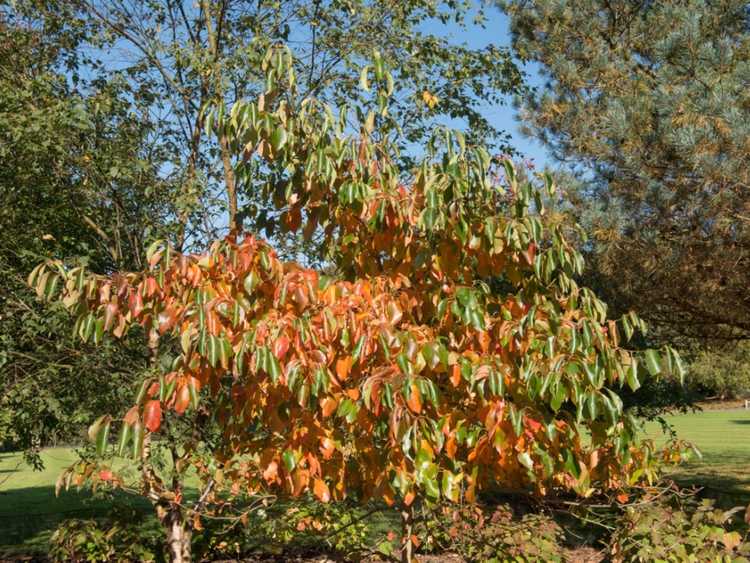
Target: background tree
[[722, 373], [79, 180], [647, 102], [188, 55]]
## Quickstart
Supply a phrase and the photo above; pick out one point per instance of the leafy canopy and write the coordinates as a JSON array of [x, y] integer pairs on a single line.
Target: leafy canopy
[[453, 351]]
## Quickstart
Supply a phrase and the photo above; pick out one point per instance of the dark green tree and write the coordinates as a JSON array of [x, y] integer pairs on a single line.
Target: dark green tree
[[650, 101], [80, 181]]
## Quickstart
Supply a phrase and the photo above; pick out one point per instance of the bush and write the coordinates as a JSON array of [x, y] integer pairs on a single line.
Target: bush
[[667, 531], [491, 534], [103, 540], [722, 373], [304, 527]]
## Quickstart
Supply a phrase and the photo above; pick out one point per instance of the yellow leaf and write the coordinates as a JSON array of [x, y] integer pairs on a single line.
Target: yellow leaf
[[731, 540], [430, 99]]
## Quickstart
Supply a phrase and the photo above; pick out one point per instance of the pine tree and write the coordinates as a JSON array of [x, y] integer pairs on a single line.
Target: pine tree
[[652, 98]]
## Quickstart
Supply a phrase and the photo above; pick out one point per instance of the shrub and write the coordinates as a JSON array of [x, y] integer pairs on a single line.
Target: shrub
[[103, 540], [722, 373], [666, 531], [492, 534], [302, 527]]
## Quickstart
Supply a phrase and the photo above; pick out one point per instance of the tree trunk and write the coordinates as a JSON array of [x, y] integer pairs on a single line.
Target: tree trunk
[[407, 527], [179, 536], [226, 157]]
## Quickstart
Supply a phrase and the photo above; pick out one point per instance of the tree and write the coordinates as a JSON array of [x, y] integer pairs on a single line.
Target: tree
[[79, 179], [723, 374], [453, 350], [190, 55], [648, 102], [97, 104]]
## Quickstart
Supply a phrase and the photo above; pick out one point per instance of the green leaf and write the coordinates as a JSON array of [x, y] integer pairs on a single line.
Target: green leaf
[[279, 138], [126, 434], [290, 460], [251, 282], [364, 83], [632, 375], [102, 437], [525, 459], [93, 431], [653, 362], [358, 348], [138, 435]]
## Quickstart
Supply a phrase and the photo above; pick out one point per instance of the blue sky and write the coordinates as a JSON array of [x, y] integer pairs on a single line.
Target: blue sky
[[496, 31]]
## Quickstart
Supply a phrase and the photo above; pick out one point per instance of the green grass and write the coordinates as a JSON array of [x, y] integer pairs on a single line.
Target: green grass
[[723, 438], [29, 510]]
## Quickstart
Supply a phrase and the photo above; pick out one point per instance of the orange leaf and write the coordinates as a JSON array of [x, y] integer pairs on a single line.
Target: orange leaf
[[409, 498], [271, 472], [394, 313], [183, 399], [327, 447], [415, 399], [353, 394], [131, 417], [321, 490], [451, 447], [152, 415], [456, 375], [343, 367], [328, 405]]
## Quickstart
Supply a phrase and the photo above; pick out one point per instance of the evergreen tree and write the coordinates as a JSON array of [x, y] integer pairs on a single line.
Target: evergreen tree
[[652, 98]]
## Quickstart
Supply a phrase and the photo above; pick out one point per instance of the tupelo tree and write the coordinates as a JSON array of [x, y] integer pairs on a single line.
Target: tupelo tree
[[451, 351]]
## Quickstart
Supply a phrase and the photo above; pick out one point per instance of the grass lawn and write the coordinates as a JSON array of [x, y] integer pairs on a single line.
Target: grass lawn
[[29, 510], [723, 437]]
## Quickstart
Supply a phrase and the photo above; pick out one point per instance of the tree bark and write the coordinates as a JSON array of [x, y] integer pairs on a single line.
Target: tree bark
[[407, 527], [179, 535], [226, 160]]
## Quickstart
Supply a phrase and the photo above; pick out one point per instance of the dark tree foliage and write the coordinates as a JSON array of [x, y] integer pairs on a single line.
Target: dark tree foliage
[[78, 181]]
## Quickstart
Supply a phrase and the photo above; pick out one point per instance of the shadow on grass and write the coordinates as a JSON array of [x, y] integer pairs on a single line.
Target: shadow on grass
[[29, 516], [741, 421], [725, 479]]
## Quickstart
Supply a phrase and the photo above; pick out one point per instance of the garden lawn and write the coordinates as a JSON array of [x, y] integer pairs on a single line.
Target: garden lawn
[[723, 438], [29, 509]]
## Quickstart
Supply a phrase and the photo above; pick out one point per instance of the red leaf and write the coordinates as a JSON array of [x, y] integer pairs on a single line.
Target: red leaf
[[135, 303], [280, 347], [152, 415], [110, 310]]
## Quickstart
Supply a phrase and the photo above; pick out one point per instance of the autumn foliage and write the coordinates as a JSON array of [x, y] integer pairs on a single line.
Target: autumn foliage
[[453, 351]]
